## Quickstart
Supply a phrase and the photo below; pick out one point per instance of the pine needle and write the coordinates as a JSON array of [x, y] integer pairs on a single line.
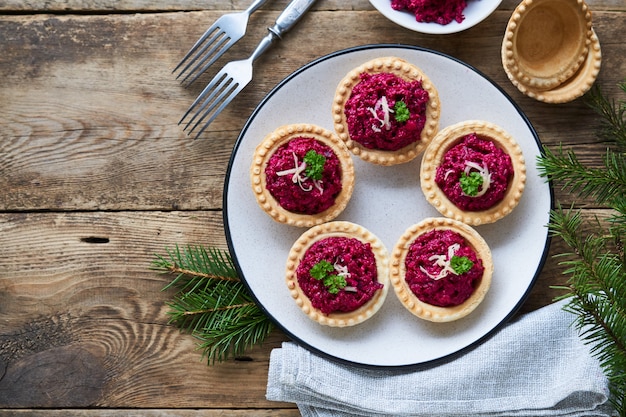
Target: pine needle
[[605, 185], [211, 302], [612, 120], [596, 267]]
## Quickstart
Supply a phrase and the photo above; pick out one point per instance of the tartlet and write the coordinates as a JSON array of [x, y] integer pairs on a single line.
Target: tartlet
[[364, 111], [505, 173], [348, 250], [280, 178], [572, 88], [427, 296], [546, 42]]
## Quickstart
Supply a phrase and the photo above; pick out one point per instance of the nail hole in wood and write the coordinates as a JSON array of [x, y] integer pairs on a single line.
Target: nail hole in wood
[[94, 239]]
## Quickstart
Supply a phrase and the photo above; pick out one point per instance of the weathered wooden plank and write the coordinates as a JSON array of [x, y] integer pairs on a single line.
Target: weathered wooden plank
[[90, 142], [180, 412], [551, 275], [125, 6], [222, 5], [88, 115], [84, 322]]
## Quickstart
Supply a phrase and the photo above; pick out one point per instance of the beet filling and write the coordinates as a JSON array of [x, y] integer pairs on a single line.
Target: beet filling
[[350, 253], [307, 196], [369, 105], [483, 153], [433, 11], [451, 289]]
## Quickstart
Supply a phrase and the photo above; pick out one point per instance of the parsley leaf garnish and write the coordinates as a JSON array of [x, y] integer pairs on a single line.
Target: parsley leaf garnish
[[334, 283], [322, 271], [314, 165], [461, 264], [401, 111], [470, 184]]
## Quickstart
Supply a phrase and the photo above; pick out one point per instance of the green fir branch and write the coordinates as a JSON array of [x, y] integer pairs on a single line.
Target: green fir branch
[[596, 266], [612, 115], [597, 297], [605, 185], [211, 302], [195, 266]]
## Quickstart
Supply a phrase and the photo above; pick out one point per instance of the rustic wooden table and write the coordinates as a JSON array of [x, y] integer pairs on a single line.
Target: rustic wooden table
[[96, 177]]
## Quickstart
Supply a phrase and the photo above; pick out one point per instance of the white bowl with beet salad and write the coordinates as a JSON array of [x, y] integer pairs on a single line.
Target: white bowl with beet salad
[[437, 17]]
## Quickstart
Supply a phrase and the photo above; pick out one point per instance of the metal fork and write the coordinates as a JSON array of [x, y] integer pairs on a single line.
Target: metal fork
[[237, 74], [217, 39]]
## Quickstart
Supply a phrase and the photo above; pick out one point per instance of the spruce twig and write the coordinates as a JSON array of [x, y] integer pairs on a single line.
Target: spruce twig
[[613, 122], [605, 185], [596, 288], [211, 302]]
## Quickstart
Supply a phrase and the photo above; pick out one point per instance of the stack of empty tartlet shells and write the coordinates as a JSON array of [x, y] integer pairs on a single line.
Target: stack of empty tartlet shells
[[550, 51]]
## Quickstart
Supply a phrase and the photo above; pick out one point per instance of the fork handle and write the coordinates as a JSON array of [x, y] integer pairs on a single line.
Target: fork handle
[[290, 16], [255, 5], [287, 19]]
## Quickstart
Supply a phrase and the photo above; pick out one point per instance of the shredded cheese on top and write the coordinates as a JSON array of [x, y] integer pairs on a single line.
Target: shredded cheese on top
[[442, 261], [342, 271], [447, 174], [299, 176], [383, 105], [484, 172]]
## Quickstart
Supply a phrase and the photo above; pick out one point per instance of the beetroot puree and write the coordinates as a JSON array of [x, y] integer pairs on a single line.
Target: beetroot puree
[[483, 152], [433, 11], [367, 96], [360, 262], [305, 198], [450, 290]]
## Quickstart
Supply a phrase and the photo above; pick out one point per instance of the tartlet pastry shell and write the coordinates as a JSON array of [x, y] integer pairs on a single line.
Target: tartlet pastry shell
[[576, 86], [266, 149], [397, 270], [402, 69], [546, 42], [342, 229], [450, 136]]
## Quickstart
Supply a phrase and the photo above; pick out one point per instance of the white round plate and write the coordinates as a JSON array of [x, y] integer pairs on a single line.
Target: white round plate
[[475, 12], [386, 200]]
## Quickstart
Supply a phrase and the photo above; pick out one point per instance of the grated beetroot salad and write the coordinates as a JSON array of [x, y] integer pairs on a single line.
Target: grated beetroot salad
[[433, 11], [347, 252], [450, 290], [304, 198], [367, 96], [482, 152]]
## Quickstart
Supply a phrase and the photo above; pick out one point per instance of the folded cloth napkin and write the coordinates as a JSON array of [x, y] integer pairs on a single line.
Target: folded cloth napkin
[[535, 366]]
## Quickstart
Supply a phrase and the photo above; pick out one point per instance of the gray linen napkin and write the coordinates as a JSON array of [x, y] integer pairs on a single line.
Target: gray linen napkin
[[535, 366]]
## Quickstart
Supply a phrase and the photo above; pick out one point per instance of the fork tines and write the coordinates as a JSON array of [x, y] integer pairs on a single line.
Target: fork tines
[[213, 43], [213, 99]]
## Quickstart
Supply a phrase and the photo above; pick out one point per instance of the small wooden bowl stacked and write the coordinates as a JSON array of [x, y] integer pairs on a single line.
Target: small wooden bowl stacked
[[550, 51]]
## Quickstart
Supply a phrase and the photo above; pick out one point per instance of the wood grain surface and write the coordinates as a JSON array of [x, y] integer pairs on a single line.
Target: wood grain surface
[[96, 177]]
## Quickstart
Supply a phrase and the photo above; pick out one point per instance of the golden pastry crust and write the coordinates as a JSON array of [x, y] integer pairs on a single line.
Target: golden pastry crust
[[267, 148], [574, 87], [397, 270], [449, 137], [406, 71], [341, 229], [546, 42]]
